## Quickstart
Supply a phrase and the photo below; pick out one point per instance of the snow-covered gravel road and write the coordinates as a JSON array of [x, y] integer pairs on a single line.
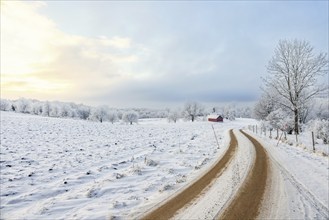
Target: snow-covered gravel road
[[258, 184]]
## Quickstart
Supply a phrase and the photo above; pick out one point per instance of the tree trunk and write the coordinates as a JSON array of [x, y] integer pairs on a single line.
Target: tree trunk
[[192, 118], [296, 121]]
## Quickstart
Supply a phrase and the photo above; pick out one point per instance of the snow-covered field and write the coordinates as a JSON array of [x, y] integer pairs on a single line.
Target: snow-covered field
[[55, 168]]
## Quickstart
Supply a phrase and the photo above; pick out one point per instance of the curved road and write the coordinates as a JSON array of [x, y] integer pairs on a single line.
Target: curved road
[[245, 183], [168, 209], [247, 202]]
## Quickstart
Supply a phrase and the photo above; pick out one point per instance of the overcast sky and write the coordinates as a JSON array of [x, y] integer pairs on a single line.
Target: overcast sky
[[148, 53]]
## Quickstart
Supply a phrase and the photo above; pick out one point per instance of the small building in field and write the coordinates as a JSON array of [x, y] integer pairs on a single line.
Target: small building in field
[[215, 118]]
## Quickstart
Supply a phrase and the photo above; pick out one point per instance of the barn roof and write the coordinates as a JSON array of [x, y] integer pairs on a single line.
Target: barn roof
[[214, 116]]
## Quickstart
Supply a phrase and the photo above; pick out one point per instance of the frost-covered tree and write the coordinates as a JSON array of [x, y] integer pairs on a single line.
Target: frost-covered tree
[[54, 109], [5, 105], [113, 116], [130, 117], [83, 112], [37, 108], [280, 119], [173, 116], [46, 108], [120, 114], [23, 105], [65, 111], [192, 110], [265, 105], [293, 73], [247, 112], [320, 109], [99, 114], [231, 114]]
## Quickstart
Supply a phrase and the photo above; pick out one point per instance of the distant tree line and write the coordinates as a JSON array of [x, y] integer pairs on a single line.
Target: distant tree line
[[191, 111], [79, 111]]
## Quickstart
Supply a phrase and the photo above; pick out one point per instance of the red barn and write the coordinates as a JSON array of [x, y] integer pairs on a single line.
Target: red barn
[[215, 118]]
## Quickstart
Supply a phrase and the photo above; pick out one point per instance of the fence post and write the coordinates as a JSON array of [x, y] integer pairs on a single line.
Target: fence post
[[279, 139], [256, 129], [277, 133], [215, 135], [313, 141], [270, 133], [296, 138]]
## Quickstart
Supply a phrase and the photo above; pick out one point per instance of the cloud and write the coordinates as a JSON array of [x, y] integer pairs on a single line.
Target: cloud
[[46, 58], [140, 53]]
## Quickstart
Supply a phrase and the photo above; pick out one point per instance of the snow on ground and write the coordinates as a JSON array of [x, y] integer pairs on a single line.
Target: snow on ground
[[306, 177], [224, 187], [73, 169]]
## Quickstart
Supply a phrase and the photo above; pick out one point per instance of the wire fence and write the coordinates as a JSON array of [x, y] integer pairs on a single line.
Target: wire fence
[[282, 136]]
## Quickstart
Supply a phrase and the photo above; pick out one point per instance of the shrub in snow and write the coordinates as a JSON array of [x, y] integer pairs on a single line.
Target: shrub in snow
[[167, 187], [151, 163], [119, 175], [136, 170], [321, 129], [130, 117], [117, 204]]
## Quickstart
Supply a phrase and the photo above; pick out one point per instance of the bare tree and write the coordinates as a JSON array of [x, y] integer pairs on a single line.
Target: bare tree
[[173, 116], [83, 111], [293, 72], [5, 105], [192, 110], [265, 105], [130, 117], [99, 114], [46, 108], [113, 116]]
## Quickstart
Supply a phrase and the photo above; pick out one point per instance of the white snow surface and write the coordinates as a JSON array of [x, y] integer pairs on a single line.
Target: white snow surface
[[55, 168], [306, 178]]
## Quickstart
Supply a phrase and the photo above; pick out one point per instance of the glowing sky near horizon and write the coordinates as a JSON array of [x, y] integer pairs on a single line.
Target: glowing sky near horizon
[[148, 53]]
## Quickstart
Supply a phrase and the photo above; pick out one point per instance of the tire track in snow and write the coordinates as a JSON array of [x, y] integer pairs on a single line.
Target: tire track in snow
[[305, 194], [178, 201], [306, 198]]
